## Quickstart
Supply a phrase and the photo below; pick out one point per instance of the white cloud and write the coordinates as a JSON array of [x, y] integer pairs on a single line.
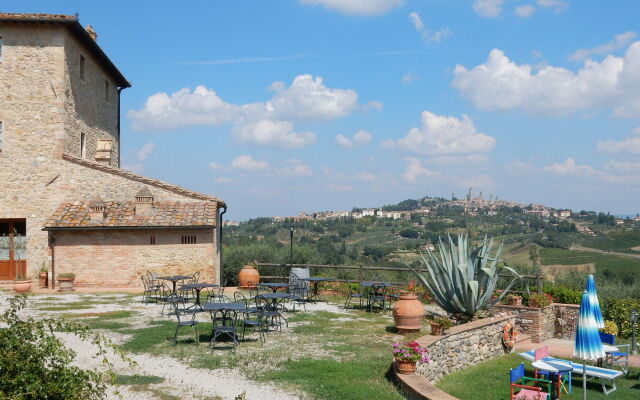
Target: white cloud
[[309, 99], [618, 42], [270, 133], [358, 7], [416, 21], [201, 106], [340, 187], [525, 11], [488, 8], [428, 35], [517, 167], [414, 170], [629, 146], [570, 168], [267, 123], [135, 168], [622, 166], [500, 83], [556, 5], [442, 135], [359, 138], [294, 168], [246, 162], [222, 180], [145, 151], [367, 177], [409, 77], [459, 160]]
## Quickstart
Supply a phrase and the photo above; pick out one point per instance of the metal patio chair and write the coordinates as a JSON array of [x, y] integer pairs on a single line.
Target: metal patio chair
[[225, 323], [186, 317], [252, 318], [355, 292]]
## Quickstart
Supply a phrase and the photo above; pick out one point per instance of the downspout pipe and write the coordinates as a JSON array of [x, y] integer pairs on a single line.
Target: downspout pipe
[[220, 271], [120, 89]]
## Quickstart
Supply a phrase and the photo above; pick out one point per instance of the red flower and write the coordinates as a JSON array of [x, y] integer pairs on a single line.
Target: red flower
[[413, 344]]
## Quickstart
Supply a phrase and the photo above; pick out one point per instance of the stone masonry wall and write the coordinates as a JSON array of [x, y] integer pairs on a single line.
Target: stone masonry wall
[[118, 258], [463, 346], [38, 186], [87, 109], [566, 316]]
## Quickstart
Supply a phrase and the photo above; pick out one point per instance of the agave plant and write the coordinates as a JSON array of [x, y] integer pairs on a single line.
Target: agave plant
[[462, 280]]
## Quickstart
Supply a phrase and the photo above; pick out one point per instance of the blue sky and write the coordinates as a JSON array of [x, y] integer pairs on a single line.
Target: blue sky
[[281, 106]]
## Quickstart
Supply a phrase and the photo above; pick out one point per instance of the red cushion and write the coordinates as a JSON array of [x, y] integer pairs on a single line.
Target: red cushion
[[528, 394]]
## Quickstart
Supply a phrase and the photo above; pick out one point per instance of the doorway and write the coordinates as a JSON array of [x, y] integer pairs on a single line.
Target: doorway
[[13, 248]]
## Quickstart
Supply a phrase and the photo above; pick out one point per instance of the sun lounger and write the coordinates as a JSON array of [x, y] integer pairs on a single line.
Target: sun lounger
[[606, 376]]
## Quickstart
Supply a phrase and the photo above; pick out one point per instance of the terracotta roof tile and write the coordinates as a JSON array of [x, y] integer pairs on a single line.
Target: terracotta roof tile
[[123, 215]]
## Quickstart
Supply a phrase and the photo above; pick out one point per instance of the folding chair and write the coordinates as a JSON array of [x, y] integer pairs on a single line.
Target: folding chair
[[521, 387], [616, 358]]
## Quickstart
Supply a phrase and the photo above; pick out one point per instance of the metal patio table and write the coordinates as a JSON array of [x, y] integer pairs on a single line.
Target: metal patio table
[[315, 281], [276, 300], [555, 368], [376, 286], [274, 286], [174, 279], [197, 287]]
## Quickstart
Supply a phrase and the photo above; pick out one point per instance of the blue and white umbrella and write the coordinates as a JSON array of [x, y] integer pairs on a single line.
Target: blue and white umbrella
[[593, 298], [587, 344]]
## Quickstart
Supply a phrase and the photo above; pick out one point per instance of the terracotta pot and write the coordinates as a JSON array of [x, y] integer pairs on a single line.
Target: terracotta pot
[[437, 329], [408, 313], [247, 274], [43, 277], [65, 284], [22, 286], [406, 367]]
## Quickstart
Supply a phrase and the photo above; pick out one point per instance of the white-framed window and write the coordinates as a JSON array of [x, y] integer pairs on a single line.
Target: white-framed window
[[83, 145], [1, 142], [82, 72]]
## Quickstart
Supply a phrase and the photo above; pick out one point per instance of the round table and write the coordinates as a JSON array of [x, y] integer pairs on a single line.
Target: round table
[[315, 282], [556, 368], [198, 288], [274, 286], [235, 306], [174, 279]]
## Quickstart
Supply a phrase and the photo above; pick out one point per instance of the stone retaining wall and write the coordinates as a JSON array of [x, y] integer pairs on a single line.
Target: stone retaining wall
[[556, 320], [566, 316], [463, 346]]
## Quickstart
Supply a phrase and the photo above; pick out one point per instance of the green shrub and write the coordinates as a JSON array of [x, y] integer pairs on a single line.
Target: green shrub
[[617, 310], [563, 294], [67, 275], [610, 327], [36, 364]]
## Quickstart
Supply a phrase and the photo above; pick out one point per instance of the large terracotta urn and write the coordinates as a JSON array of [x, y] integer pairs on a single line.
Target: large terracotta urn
[[408, 313], [247, 274]]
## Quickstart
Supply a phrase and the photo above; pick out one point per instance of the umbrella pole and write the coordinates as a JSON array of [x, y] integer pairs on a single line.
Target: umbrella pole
[[584, 380]]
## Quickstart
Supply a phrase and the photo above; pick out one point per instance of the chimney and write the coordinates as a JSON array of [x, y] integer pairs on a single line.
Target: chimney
[[144, 202], [97, 212], [91, 33]]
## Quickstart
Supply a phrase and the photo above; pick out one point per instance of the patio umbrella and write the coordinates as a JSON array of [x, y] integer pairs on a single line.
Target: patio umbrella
[[587, 345], [593, 298]]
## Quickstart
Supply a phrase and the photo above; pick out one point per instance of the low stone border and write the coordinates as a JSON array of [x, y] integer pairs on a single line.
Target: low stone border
[[462, 346]]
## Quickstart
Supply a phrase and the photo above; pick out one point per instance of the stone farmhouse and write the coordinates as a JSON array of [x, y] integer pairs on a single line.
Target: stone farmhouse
[[64, 202]]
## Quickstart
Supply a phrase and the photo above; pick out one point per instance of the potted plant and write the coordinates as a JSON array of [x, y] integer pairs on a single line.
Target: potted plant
[[22, 282], [65, 281], [43, 276], [440, 324], [514, 300], [540, 300], [406, 355]]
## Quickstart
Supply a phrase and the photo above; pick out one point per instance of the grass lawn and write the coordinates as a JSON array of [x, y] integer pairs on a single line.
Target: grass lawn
[[490, 381]]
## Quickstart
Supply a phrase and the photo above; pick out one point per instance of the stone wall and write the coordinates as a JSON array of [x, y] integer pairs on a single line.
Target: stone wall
[[463, 346], [114, 258], [556, 320]]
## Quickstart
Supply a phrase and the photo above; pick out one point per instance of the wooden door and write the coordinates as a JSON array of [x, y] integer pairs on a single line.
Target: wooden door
[[12, 259]]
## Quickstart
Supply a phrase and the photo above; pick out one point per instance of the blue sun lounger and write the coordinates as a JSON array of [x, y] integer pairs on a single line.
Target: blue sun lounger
[[606, 376]]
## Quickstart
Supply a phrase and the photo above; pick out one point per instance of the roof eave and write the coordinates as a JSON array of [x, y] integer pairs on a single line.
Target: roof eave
[[124, 227]]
